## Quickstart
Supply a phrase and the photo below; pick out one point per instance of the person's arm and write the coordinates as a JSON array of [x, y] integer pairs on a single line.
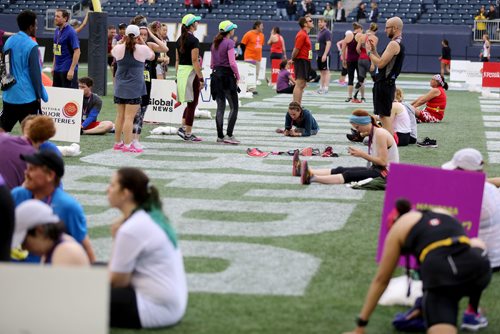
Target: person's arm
[[272, 39], [87, 246], [358, 46], [381, 61], [69, 254], [495, 181], [120, 280], [307, 124], [284, 47], [343, 52], [84, 23], [196, 63], [35, 72], [291, 79], [288, 124], [158, 45], [232, 62], [434, 92], [327, 50], [176, 61], [299, 43], [93, 113], [383, 153]]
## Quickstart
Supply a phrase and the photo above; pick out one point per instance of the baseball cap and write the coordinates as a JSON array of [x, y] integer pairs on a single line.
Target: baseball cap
[[132, 29], [122, 26], [226, 26], [29, 214], [189, 19], [466, 159], [74, 22], [46, 158]]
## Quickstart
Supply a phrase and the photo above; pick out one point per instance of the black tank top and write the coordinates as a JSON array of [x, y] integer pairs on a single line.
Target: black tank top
[[430, 228], [393, 68]]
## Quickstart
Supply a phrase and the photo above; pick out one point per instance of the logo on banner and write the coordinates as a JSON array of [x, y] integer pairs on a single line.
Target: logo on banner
[[491, 75], [164, 105], [70, 109]]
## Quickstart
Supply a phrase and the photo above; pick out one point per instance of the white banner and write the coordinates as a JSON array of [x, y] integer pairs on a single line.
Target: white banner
[[458, 70], [205, 101], [475, 74], [207, 58], [163, 105], [247, 74], [262, 72], [41, 49], [65, 107]]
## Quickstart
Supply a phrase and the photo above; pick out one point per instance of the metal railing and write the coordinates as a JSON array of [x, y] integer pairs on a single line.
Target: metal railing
[[49, 19], [490, 27], [313, 34]]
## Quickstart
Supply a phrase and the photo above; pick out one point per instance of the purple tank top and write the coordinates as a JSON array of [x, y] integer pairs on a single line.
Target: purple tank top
[[352, 54]]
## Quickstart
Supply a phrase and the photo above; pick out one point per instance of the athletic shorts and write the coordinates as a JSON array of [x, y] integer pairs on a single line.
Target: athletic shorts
[[363, 69], [446, 61], [440, 304], [13, 113], [302, 68], [60, 80], [383, 96], [92, 125], [323, 66], [119, 100], [276, 55], [430, 116], [354, 174]]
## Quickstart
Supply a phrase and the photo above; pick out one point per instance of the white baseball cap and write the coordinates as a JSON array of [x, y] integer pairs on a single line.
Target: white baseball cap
[[29, 214], [132, 29], [466, 159]]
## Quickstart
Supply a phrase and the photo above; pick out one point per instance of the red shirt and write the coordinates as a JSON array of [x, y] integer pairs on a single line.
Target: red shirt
[[303, 44], [278, 46], [438, 103]]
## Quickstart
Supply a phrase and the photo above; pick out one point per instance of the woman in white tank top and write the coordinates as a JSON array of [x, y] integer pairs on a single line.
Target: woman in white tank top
[[485, 54]]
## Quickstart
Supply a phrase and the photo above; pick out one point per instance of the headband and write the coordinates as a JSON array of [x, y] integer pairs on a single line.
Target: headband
[[439, 79], [361, 120]]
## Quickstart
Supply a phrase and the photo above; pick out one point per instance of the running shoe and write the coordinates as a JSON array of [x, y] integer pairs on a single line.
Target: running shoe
[[348, 99], [137, 144], [363, 100], [181, 133], [132, 149], [305, 173], [427, 142], [255, 152], [307, 152], [354, 136], [220, 140], [118, 146], [355, 101], [320, 92], [191, 137], [473, 321], [296, 164], [231, 140], [328, 153]]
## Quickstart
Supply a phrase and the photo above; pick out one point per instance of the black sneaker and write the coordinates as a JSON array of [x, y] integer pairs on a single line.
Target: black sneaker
[[363, 100], [191, 137], [427, 142], [348, 99], [354, 136], [181, 133]]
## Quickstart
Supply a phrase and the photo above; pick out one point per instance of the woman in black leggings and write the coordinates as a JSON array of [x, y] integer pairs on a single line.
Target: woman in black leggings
[[452, 266]]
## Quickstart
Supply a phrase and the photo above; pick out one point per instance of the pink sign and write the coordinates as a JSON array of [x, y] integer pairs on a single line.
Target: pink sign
[[460, 192]]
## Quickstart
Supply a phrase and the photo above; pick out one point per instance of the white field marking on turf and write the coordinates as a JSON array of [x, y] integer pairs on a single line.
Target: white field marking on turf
[[200, 180], [253, 269], [491, 118], [494, 157], [490, 110], [310, 218], [493, 145], [492, 124], [492, 135]]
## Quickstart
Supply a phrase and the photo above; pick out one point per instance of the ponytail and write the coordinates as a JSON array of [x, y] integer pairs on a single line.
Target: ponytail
[[184, 36], [218, 39], [130, 43]]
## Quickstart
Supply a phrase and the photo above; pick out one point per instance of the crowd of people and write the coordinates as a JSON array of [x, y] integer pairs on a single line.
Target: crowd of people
[[146, 271]]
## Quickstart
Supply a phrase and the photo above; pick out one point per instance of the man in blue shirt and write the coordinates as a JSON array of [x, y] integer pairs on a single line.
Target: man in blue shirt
[[66, 52], [42, 178], [23, 98]]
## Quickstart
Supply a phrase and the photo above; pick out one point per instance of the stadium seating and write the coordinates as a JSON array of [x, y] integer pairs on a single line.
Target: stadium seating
[[411, 11]]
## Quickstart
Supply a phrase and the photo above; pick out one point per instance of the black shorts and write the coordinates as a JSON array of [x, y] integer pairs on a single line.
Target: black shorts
[[60, 80], [343, 71], [440, 304], [119, 100], [13, 113], [302, 67], [383, 96], [323, 66], [275, 55], [354, 174], [123, 310]]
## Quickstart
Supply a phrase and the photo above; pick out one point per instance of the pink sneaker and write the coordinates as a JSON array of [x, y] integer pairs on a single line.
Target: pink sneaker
[[118, 146], [132, 149]]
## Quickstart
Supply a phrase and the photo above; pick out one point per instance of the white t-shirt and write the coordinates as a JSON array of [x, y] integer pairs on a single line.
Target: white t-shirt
[[489, 227], [141, 53], [158, 275], [402, 122]]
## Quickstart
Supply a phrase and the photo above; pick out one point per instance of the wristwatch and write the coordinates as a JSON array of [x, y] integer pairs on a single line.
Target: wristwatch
[[360, 322], [369, 52]]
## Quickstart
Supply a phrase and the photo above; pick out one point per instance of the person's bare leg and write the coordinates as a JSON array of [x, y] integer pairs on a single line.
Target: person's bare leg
[[349, 91], [120, 116], [298, 91], [328, 179], [103, 128], [387, 123], [128, 123], [442, 329]]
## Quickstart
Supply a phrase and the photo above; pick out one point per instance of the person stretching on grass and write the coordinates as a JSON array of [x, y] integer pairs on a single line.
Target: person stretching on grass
[[305, 124], [382, 151]]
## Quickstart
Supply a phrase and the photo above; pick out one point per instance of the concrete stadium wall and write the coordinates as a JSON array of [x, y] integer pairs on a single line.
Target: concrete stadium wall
[[422, 42]]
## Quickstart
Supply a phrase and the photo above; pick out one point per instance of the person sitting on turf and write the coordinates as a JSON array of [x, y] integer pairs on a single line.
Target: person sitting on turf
[[434, 100], [148, 280], [40, 231], [382, 151], [92, 105], [302, 119], [285, 83], [403, 121], [452, 266]]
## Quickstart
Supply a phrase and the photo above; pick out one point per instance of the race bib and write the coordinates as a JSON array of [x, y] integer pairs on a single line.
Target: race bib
[[57, 50], [310, 56], [316, 46], [146, 76]]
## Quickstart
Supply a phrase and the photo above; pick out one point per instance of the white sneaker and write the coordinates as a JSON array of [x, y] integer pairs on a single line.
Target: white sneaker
[[258, 83], [137, 144], [231, 140]]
